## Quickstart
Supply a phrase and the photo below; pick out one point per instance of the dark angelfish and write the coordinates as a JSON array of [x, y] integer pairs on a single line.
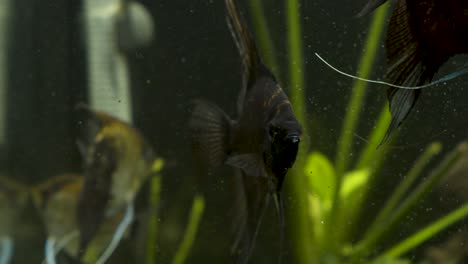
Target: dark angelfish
[[262, 143], [422, 35]]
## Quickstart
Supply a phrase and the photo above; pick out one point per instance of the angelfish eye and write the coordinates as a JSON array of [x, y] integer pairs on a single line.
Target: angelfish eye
[[295, 139]]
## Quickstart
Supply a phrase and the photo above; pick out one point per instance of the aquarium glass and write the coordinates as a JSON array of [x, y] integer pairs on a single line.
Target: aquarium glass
[[121, 137]]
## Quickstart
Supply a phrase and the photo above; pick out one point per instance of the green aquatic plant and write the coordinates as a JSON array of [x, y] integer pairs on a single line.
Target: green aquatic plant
[[155, 193], [194, 219], [324, 212], [196, 213], [301, 234]]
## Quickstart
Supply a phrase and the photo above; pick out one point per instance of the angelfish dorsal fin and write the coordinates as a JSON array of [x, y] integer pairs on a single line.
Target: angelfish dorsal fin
[[243, 38]]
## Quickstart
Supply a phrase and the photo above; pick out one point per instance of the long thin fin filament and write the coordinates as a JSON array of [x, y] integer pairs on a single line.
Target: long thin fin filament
[[446, 78]]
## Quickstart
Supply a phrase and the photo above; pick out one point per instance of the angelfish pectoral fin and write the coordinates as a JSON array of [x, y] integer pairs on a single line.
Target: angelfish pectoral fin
[[251, 164]]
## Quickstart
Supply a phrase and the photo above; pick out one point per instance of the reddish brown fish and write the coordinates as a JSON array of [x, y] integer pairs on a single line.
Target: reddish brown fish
[[422, 35]]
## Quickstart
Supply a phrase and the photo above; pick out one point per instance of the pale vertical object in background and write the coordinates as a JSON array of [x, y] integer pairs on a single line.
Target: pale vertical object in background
[[113, 27], [4, 23], [108, 76]]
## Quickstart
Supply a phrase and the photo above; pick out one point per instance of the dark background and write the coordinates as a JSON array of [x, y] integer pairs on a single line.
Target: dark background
[[194, 56]]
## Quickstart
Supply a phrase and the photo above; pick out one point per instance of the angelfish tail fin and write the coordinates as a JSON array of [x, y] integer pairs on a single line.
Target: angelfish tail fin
[[210, 131]]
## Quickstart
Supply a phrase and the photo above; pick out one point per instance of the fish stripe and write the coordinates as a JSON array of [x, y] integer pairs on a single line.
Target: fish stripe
[[275, 94], [283, 103]]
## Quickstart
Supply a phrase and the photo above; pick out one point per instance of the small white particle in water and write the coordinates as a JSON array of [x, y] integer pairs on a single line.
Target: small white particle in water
[[322, 222]]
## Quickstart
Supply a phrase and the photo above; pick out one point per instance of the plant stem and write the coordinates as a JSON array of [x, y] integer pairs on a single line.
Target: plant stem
[[376, 157], [416, 196], [264, 37], [196, 213], [296, 62], [300, 229], [356, 102], [359, 88], [155, 192], [370, 152], [428, 232], [399, 192]]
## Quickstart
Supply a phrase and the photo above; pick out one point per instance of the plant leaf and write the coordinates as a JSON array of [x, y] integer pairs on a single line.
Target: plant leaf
[[353, 183], [391, 261], [321, 176], [351, 196]]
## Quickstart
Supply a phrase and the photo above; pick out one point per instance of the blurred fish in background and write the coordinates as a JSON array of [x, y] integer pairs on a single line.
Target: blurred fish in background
[[453, 250], [262, 143], [421, 37], [56, 201], [13, 197], [452, 191], [117, 161]]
